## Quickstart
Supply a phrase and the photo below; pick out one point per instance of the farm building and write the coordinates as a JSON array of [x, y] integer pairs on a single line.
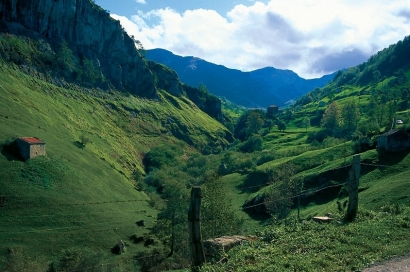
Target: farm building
[[273, 110], [31, 147], [394, 140]]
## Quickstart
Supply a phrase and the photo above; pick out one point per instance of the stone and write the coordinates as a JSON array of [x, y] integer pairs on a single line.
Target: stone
[[322, 219], [223, 244]]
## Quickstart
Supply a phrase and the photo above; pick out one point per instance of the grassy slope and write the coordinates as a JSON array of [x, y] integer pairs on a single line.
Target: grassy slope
[[380, 188], [38, 214]]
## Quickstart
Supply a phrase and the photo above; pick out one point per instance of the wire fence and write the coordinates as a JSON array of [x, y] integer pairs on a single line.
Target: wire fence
[[127, 224], [26, 205], [102, 265]]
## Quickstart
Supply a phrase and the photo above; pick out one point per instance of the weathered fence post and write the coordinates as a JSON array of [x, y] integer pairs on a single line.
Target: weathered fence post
[[353, 184], [194, 224]]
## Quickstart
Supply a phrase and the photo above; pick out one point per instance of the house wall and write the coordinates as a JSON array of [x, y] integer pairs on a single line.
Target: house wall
[[37, 150], [29, 151], [382, 142], [397, 141], [24, 149]]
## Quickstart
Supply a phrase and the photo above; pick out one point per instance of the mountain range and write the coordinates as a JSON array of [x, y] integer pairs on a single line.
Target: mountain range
[[258, 88]]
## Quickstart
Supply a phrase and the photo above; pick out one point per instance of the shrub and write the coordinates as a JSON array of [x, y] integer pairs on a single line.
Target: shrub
[[160, 156], [254, 143]]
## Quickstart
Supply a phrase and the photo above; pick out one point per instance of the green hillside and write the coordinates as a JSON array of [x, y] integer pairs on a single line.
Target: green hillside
[[311, 158], [114, 159], [82, 199]]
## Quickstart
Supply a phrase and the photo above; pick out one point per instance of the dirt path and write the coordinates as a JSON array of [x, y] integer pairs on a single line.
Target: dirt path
[[399, 264]]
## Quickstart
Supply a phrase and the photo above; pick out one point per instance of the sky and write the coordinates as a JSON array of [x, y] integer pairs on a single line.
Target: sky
[[310, 37]]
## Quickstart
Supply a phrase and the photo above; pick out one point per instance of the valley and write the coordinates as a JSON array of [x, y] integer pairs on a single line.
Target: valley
[[125, 147]]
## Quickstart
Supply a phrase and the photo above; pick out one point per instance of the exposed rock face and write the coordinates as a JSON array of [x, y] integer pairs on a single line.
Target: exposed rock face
[[205, 101], [90, 32], [168, 79]]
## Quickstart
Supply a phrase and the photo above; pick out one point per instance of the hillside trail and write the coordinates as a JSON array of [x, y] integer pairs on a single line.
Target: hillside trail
[[398, 264]]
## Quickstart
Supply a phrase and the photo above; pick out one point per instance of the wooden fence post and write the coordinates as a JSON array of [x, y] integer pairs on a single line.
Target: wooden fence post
[[194, 224], [353, 184]]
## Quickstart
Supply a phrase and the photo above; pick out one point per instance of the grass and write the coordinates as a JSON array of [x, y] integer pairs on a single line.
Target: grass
[[82, 198], [311, 246], [380, 231]]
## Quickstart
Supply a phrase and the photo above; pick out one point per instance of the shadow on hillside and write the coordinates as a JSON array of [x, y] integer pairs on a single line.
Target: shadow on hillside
[[319, 198], [260, 217], [78, 144], [253, 183], [11, 151], [391, 158]]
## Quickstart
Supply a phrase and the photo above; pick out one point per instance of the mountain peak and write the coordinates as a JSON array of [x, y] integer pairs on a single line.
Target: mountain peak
[[258, 88]]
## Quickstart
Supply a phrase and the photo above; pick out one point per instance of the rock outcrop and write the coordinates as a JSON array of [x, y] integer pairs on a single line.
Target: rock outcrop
[[90, 32], [213, 247]]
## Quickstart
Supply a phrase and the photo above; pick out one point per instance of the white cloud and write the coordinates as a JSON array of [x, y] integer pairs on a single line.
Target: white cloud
[[140, 1], [309, 37]]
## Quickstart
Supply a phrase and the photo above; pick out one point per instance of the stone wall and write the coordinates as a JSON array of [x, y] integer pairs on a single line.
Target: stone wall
[[28, 151], [37, 150]]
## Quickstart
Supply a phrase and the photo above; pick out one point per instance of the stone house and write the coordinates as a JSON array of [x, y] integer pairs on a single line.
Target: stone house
[[273, 110], [31, 147], [394, 140]]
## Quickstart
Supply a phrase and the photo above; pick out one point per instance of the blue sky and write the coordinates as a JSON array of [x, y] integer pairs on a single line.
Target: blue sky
[[310, 37], [131, 7]]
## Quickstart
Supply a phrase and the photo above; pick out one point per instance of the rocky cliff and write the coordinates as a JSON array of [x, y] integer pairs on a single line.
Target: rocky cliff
[[90, 33], [91, 36]]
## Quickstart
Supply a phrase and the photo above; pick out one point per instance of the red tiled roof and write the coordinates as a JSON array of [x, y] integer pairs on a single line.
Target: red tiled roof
[[32, 140]]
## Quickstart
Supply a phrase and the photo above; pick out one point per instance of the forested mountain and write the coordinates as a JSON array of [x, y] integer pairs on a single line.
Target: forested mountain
[[259, 88], [388, 66]]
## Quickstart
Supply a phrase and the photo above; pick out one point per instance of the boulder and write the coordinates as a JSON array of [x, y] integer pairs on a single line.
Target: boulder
[[322, 219], [223, 244]]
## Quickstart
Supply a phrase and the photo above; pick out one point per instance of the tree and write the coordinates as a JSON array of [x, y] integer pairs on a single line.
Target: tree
[[171, 221], [288, 115], [282, 126], [269, 124], [140, 48], [278, 199], [254, 143], [90, 72], [84, 140], [218, 218], [380, 114], [241, 127], [392, 108], [306, 123], [254, 123], [371, 106], [350, 115], [377, 75], [65, 57], [331, 119]]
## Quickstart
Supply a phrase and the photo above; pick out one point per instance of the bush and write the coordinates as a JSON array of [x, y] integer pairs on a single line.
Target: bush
[[84, 140], [266, 157], [253, 144], [160, 156], [318, 136]]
